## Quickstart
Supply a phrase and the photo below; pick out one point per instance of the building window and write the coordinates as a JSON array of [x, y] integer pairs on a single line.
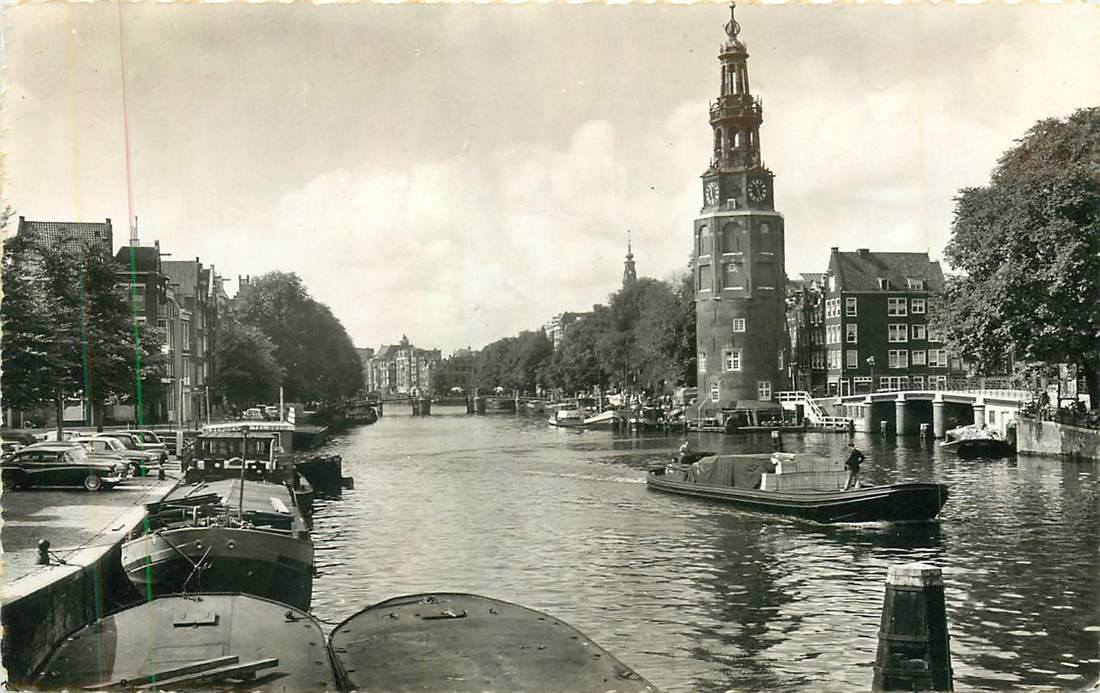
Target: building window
[[918, 306], [832, 334], [915, 285], [702, 362], [883, 283], [850, 306], [715, 391], [920, 333], [851, 332], [899, 358], [732, 358], [918, 382], [920, 357], [937, 358], [832, 308], [731, 238], [764, 390], [853, 358], [896, 307], [706, 278], [780, 359], [738, 324], [704, 241], [817, 360], [834, 359], [939, 380], [898, 332]]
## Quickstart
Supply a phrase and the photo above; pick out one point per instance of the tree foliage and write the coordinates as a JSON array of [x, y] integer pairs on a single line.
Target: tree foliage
[[247, 371], [67, 330], [318, 359], [1029, 244]]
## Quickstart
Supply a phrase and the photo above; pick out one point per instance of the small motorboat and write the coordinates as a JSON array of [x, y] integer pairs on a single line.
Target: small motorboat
[[971, 442], [796, 485], [210, 642], [567, 418], [607, 419], [466, 642]]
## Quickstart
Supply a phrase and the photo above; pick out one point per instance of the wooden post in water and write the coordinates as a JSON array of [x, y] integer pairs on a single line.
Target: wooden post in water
[[913, 648]]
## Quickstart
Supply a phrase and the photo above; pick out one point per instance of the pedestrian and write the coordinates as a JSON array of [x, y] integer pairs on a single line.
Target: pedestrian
[[855, 458]]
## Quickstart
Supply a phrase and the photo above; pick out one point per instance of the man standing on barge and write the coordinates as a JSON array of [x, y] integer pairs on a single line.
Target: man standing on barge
[[855, 458]]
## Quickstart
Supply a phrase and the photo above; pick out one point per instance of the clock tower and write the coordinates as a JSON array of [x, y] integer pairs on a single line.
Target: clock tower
[[740, 283]]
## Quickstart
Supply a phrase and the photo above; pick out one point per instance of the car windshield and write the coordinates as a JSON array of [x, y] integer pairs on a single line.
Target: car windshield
[[148, 437], [126, 442], [109, 444], [76, 456]]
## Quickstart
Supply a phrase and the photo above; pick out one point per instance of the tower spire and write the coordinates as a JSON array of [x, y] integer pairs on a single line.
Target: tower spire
[[732, 27], [630, 274]]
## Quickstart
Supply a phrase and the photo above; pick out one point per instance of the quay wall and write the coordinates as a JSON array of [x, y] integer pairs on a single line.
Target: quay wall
[[51, 604], [1058, 440]]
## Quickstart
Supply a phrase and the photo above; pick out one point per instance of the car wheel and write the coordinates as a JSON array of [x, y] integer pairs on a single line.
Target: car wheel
[[93, 482], [135, 467], [9, 482]]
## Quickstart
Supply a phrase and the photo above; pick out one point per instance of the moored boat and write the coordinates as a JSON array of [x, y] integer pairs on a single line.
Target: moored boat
[[970, 441], [214, 641], [607, 419], [466, 642], [808, 488], [567, 418], [237, 526]]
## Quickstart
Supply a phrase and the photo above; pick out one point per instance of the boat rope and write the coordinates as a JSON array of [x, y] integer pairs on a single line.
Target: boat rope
[[198, 568], [166, 540]]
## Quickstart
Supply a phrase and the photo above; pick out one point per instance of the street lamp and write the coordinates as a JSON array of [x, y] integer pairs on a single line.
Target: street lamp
[[871, 363]]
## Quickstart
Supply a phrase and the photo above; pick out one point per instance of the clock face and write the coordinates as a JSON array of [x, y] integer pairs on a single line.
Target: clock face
[[758, 189], [710, 192]]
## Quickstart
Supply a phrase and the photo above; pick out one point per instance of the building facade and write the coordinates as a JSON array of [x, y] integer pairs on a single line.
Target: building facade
[[195, 290], [402, 369], [879, 331], [806, 334], [740, 282], [559, 324]]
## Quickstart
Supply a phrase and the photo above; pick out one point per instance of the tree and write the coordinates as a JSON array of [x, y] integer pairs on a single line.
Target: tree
[[247, 371], [1028, 244], [66, 328], [316, 355]]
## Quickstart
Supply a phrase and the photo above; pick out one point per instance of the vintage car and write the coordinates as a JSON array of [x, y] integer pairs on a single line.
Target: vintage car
[[140, 440], [141, 462], [61, 464]]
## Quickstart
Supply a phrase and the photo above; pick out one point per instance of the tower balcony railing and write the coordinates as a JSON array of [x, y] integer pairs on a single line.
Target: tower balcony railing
[[737, 106]]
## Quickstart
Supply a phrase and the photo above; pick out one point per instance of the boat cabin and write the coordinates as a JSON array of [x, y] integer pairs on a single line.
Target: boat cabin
[[221, 453]]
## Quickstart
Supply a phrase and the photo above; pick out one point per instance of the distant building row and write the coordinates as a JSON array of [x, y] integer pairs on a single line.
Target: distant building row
[[399, 368]]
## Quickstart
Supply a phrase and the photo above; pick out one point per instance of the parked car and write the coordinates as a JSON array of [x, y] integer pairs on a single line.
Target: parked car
[[141, 462], [149, 441], [61, 464], [133, 441], [253, 414]]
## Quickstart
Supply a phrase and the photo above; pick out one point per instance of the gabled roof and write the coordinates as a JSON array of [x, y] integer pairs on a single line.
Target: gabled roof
[[145, 258], [386, 352], [71, 235], [861, 270], [183, 273]]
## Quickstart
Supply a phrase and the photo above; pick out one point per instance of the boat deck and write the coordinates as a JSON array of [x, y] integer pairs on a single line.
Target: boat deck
[[259, 498]]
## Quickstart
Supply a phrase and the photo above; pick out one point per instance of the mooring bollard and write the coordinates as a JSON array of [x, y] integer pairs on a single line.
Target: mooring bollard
[[913, 649], [43, 553]]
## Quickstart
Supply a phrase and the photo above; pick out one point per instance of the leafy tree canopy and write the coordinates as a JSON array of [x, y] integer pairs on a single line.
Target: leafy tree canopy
[[1029, 244], [247, 371], [318, 359]]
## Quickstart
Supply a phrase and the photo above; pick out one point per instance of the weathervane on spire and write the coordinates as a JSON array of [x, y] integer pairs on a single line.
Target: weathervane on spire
[[732, 27], [629, 252]]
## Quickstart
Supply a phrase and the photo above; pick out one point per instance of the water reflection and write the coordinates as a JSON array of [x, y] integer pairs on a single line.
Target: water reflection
[[695, 595]]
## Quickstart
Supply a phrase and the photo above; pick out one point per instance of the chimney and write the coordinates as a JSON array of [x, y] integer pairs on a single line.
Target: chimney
[[864, 252], [134, 232], [834, 249]]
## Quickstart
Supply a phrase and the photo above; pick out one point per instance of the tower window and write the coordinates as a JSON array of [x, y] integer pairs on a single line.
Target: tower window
[[704, 241], [731, 238]]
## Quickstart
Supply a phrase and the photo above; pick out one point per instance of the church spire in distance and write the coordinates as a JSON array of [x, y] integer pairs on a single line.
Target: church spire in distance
[[630, 275]]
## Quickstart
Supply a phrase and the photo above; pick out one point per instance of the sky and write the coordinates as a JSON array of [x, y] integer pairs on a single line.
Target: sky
[[458, 173]]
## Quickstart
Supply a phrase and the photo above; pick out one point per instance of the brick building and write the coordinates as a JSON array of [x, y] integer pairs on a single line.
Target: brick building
[[740, 283], [878, 332], [806, 333], [198, 293]]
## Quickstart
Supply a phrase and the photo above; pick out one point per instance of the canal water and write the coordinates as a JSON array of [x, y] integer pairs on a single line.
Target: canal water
[[699, 597]]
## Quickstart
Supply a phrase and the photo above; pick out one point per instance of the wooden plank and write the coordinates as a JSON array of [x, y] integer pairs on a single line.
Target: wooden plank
[[279, 506], [203, 665], [236, 671]]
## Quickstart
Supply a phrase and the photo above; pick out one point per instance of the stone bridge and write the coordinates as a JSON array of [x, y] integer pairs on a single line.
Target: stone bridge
[[904, 411]]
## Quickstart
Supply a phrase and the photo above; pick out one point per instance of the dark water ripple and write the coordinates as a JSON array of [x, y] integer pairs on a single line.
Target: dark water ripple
[[696, 596]]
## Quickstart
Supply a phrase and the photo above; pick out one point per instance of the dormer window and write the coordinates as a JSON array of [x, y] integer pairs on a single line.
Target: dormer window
[[883, 283], [915, 284]]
